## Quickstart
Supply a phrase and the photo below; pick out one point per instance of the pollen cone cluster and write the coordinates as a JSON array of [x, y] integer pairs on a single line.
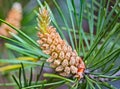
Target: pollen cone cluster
[[63, 59], [14, 17]]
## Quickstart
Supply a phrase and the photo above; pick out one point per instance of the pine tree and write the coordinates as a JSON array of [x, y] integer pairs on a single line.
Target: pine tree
[[92, 56]]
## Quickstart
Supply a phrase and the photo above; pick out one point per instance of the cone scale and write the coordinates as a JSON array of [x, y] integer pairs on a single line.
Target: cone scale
[[63, 58]]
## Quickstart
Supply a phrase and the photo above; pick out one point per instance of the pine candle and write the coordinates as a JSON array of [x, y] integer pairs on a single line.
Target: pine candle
[[14, 17], [63, 59]]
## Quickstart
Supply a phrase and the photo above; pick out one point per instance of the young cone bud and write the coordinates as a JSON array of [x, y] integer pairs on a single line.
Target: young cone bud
[[14, 17], [65, 61]]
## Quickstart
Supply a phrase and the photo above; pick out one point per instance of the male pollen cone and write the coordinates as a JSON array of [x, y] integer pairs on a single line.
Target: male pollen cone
[[62, 58], [14, 17]]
